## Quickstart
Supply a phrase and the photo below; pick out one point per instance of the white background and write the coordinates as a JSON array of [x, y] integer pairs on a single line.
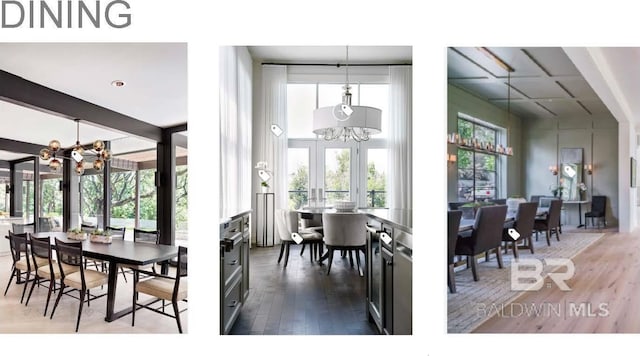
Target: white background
[[427, 26]]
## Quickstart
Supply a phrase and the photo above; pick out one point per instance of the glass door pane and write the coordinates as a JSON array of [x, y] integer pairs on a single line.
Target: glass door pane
[[50, 201], [298, 177], [376, 177], [337, 174]]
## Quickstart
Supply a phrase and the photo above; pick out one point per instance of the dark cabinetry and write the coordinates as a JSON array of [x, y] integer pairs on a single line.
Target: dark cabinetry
[[389, 276], [234, 268]]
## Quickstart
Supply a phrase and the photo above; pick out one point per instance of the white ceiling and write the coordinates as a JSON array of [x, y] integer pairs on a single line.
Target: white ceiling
[[332, 54], [155, 90], [544, 84]]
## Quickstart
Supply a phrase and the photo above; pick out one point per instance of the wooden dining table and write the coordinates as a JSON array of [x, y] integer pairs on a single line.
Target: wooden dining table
[[118, 252]]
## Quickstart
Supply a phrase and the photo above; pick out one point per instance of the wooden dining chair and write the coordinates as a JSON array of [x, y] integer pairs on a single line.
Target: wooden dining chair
[[147, 237], [69, 257], [22, 265], [46, 268], [163, 288]]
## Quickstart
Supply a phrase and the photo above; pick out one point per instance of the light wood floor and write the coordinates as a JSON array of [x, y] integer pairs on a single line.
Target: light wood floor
[[606, 280], [18, 318]]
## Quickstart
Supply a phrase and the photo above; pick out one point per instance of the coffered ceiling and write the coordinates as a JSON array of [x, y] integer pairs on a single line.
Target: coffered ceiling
[[543, 83]]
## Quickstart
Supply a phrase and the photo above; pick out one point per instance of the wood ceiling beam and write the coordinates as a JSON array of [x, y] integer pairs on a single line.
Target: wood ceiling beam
[[20, 91]]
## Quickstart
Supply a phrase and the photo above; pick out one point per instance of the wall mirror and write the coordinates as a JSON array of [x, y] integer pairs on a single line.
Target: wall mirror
[[571, 172]]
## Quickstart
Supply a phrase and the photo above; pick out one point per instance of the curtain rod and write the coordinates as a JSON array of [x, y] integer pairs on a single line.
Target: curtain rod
[[339, 65]]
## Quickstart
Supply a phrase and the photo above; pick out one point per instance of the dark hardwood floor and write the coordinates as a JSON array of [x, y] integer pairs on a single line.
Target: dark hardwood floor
[[302, 299]]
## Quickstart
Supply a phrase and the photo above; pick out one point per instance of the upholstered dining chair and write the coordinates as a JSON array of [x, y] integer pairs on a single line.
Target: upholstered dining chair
[[598, 210], [287, 225], [523, 224], [550, 224], [485, 236], [163, 287], [22, 262], [69, 257], [453, 224], [310, 223], [344, 232]]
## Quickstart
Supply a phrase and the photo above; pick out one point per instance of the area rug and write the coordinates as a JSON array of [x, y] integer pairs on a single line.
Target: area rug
[[476, 302]]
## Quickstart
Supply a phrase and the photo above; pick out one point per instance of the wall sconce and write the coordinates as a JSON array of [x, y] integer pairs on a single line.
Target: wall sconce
[[553, 170], [589, 169], [451, 159]]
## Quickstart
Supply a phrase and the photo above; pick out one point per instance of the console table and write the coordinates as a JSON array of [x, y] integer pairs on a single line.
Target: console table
[[579, 203]]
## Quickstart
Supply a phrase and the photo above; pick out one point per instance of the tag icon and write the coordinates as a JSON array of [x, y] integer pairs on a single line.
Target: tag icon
[[513, 233], [297, 238]]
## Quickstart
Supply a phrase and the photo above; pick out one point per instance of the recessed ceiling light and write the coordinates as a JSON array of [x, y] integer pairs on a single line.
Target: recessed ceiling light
[[118, 83]]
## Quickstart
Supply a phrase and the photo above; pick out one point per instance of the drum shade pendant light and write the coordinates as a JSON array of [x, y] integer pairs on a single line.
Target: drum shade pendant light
[[345, 121], [52, 154]]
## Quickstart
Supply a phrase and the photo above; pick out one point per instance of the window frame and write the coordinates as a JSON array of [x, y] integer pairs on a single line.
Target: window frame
[[497, 135]]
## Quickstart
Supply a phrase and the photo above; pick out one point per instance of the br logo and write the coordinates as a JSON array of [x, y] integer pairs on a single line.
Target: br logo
[[526, 274]]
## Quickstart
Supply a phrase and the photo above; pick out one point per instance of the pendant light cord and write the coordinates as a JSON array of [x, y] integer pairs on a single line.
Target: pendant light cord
[[347, 65]]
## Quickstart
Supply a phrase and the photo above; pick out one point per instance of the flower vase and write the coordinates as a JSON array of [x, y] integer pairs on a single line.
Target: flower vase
[[264, 189]]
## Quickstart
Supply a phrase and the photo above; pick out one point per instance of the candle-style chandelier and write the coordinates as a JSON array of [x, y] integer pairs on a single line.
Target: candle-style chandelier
[[54, 154]]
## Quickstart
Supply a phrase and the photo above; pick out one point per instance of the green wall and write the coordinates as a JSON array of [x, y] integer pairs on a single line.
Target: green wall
[[460, 101]]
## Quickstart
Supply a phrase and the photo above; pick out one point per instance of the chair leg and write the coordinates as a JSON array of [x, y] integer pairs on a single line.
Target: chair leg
[[531, 244], [55, 305], [134, 299], [451, 279], [499, 257], [514, 246], [487, 257], [358, 263], [281, 251], [286, 255], [302, 249], [177, 313], [330, 252], [548, 241], [123, 274], [36, 280], [558, 234], [52, 286], [13, 273], [24, 289], [351, 258], [82, 295], [474, 268]]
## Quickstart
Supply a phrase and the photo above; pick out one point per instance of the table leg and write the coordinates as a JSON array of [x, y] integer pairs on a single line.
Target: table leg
[[111, 291], [580, 215]]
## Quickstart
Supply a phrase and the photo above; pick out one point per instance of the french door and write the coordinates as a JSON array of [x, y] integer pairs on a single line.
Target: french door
[[323, 172]]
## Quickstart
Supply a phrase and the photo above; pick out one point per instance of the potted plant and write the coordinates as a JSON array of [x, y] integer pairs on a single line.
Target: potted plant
[[76, 234], [264, 186], [100, 236], [556, 190]]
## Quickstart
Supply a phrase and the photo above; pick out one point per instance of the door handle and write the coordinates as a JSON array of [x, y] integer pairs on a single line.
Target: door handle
[[233, 304]]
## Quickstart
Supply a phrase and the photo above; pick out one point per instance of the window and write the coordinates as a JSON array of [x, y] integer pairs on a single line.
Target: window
[[298, 177], [477, 171], [341, 170]]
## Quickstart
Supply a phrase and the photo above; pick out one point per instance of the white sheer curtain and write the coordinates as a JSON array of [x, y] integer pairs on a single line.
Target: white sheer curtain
[[399, 138], [272, 148], [235, 130]]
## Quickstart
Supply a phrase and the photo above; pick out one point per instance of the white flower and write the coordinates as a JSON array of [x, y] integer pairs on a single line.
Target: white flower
[[582, 187], [261, 165]]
